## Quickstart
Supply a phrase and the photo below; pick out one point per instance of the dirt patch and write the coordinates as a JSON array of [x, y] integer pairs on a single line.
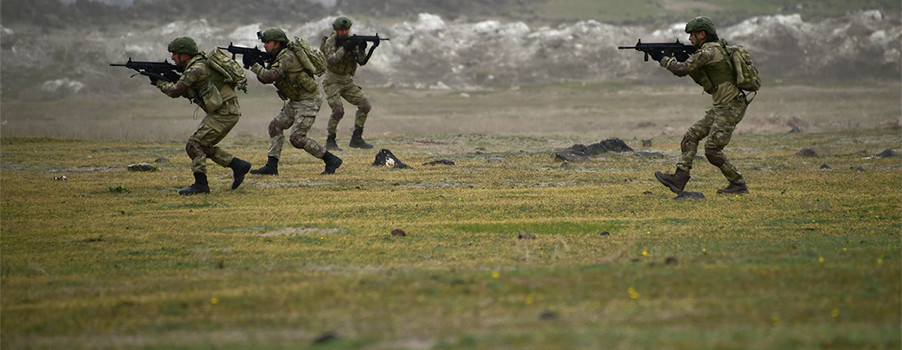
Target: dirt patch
[[300, 231]]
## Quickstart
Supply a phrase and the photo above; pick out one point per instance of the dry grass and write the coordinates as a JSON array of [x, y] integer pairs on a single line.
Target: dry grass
[[110, 258]]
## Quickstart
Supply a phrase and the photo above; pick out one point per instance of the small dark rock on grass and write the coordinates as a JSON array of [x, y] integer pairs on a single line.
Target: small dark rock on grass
[[398, 233], [887, 153], [670, 260], [325, 338], [525, 235], [604, 233], [548, 315], [825, 166], [440, 162], [686, 195], [142, 167], [807, 152]]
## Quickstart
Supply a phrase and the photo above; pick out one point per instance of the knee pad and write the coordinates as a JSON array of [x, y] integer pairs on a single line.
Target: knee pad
[[688, 143], [715, 157], [299, 141], [338, 112], [364, 106], [194, 149], [274, 128]]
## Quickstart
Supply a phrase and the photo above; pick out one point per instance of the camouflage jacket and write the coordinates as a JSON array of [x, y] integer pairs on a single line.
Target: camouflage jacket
[[340, 64], [288, 75], [709, 67], [200, 84]]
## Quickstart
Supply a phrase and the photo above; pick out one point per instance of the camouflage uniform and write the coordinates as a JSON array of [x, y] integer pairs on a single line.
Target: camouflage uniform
[[206, 89], [302, 101], [339, 83], [710, 68]]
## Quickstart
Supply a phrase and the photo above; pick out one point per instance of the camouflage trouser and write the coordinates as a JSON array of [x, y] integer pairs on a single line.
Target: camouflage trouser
[[299, 115], [335, 90], [212, 129], [717, 125]]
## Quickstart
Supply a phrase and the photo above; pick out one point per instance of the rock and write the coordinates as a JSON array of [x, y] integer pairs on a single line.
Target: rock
[[686, 195], [61, 178], [825, 166], [495, 159], [565, 164], [161, 160], [857, 169], [580, 152], [398, 233], [388, 159], [807, 152], [524, 235], [649, 154], [887, 153], [440, 162], [142, 167], [670, 260], [604, 233], [795, 130], [646, 143], [325, 338], [547, 315]]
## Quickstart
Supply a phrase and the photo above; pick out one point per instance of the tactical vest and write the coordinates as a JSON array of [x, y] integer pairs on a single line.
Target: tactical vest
[[209, 93], [346, 66], [296, 83], [711, 76]]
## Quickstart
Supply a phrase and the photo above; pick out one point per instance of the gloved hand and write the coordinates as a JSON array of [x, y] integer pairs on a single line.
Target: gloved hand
[[247, 61], [682, 56], [656, 55], [361, 45], [349, 45], [153, 80]]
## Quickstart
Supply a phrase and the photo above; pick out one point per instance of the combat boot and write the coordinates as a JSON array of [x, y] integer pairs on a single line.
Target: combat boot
[[357, 140], [199, 186], [332, 163], [734, 188], [331, 145], [676, 182], [271, 167], [239, 169]]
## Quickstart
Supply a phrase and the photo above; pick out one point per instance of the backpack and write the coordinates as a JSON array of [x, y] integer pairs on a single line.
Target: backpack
[[313, 60], [746, 73], [228, 68]]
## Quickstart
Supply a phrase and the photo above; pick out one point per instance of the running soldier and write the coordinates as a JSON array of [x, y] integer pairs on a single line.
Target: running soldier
[[710, 67], [206, 88], [342, 62], [297, 87]]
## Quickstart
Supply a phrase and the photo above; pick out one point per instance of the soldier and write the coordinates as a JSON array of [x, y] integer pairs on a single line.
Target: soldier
[[342, 61], [300, 92], [711, 68], [206, 88]]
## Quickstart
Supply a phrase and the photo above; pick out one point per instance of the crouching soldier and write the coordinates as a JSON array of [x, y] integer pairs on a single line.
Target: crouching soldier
[[205, 87]]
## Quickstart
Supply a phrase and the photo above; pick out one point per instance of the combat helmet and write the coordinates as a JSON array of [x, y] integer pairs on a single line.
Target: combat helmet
[[272, 34], [701, 23], [183, 44], [341, 23]]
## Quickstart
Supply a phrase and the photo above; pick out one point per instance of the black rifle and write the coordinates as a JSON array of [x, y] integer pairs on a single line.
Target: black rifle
[[164, 71], [674, 49], [251, 54], [353, 41]]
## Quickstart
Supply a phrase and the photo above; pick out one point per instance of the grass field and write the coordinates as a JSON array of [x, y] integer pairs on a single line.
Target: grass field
[[115, 259]]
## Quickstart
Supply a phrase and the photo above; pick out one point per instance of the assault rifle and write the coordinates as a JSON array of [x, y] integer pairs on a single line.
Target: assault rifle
[[164, 71], [674, 49], [353, 41], [251, 55]]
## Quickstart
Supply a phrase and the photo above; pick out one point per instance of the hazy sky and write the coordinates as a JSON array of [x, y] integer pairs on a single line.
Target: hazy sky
[[324, 3]]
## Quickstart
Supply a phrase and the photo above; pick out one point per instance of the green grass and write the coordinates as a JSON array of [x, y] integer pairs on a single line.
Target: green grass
[[809, 260]]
